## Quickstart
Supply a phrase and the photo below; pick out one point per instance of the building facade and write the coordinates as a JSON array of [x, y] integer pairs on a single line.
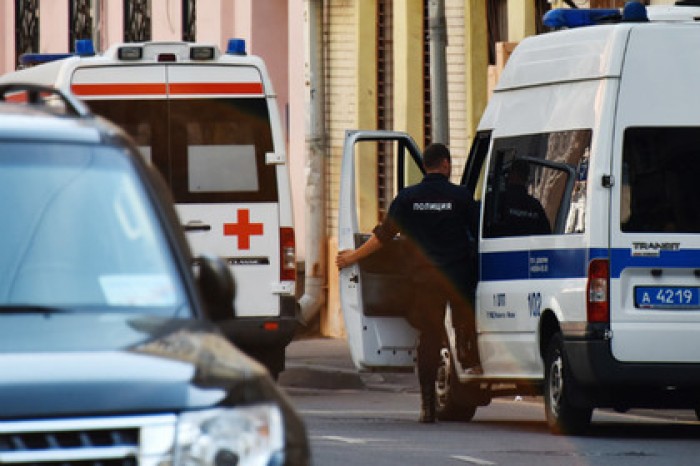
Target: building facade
[[366, 62]]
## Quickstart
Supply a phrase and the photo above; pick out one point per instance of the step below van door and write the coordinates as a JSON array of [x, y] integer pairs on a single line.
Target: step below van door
[[655, 254], [376, 293]]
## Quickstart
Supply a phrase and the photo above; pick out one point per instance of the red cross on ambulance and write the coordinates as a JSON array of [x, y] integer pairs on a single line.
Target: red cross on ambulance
[[243, 229]]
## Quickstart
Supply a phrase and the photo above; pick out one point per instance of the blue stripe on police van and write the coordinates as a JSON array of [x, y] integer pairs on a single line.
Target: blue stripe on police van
[[678, 258], [572, 263], [544, 263]]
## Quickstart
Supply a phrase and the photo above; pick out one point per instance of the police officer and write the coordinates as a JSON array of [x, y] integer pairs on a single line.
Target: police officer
[[437, 220], [522, 213]]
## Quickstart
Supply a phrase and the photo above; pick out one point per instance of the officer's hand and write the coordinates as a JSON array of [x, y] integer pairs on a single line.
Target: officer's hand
[[344, 258]]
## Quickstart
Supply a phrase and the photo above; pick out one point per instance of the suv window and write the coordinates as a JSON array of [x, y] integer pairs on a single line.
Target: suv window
[[209, 150], [79, 231], [660, 180]]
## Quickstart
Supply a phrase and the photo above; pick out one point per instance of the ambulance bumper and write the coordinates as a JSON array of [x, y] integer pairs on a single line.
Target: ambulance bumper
[[265, 332]]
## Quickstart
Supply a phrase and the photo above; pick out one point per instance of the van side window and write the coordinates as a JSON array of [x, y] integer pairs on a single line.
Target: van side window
[[536, 184], [661, 168]]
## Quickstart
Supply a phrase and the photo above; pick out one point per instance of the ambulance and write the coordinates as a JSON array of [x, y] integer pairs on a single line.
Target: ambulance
[[602, 310], [209, 121]]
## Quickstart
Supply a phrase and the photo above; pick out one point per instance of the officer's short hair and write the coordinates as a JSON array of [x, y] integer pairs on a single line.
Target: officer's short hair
[[434, 154]]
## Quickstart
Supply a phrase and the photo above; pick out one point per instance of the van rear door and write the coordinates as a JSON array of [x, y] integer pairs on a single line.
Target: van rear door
[[655, 226], [376, 293]]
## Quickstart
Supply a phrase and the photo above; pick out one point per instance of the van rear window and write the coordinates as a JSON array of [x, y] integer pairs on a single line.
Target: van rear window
[[660, 173], [208, 150]]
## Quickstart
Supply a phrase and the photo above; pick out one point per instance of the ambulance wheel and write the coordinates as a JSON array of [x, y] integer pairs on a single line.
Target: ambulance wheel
[[562, 416], [448, 404]]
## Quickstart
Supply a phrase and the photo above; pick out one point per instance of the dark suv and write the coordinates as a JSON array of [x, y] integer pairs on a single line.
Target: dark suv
[[109, 353]]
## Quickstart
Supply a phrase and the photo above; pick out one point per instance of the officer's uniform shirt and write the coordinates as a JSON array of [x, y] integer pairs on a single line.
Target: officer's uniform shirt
[[437, 217]]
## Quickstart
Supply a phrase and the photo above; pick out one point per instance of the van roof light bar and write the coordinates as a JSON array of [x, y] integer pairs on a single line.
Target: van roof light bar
[[572, 18]]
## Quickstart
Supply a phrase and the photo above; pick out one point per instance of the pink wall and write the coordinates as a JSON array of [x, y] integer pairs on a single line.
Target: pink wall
[[166, 19], [297, 118], [52, 38]]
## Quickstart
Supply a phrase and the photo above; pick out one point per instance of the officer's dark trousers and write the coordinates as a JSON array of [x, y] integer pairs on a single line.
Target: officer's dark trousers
[[432, 291], [428, 317]]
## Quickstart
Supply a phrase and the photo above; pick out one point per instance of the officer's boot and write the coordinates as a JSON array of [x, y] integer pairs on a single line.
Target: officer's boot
[[427, 408]]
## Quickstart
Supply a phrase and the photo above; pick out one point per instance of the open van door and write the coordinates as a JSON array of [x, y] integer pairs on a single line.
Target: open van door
[[375, 294]]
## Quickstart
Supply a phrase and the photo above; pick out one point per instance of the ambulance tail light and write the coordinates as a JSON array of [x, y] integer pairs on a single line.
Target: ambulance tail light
[[598, 291], [288, 268]]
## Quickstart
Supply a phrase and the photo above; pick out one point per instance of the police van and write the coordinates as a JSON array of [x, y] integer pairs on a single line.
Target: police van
[[602, 310], [209, 121]]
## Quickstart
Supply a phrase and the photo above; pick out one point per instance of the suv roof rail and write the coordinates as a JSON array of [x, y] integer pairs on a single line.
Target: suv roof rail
[[49, 97]]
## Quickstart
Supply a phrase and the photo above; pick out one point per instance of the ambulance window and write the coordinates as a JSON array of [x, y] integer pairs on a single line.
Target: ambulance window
[[141, 119], [536, 184], [661, 168], [218, 149], [209, 150]]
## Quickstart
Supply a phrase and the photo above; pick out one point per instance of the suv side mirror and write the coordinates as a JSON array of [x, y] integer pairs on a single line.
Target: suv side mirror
[[217, 287]]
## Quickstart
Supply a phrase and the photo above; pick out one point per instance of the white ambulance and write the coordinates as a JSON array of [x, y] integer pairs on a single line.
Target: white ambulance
[[209, 121], [604, 309]]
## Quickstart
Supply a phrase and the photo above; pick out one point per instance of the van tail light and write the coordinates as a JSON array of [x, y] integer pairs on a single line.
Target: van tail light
[[288, 264], [598, 292]]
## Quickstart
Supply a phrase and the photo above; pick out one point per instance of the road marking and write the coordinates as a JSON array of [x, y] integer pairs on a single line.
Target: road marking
[[472, 460], [354, 441]]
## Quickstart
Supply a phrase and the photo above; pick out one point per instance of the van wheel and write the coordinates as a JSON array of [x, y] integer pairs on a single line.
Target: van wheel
[[448, 405], [562, 416]]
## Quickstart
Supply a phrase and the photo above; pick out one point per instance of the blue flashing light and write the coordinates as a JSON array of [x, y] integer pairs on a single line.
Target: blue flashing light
[[236, 47], [84, 48], [579, 17], [634, 12]]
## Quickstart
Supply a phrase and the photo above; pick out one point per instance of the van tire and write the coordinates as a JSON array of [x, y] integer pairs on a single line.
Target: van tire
[[449, 405], [562, 416]]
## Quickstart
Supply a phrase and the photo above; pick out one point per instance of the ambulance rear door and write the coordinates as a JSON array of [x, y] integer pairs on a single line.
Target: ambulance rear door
[[199, 124], [225, 177], [376, 293]]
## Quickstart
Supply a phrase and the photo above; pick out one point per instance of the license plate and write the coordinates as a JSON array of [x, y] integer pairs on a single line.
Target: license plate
[[667, 297]]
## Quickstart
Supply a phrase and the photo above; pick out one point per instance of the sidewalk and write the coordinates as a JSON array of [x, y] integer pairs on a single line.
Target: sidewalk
[[325, 363]]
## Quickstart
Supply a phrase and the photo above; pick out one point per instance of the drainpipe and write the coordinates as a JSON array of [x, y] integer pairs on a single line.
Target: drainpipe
[[438, 72], [315, 261]]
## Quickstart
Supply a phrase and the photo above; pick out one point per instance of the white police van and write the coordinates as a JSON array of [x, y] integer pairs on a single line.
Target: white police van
[[604, 309], [209, 121]]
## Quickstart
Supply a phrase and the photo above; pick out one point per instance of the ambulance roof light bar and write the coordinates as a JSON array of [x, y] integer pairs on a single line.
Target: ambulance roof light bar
[[130, 52], [236, 47], [84, 48]]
